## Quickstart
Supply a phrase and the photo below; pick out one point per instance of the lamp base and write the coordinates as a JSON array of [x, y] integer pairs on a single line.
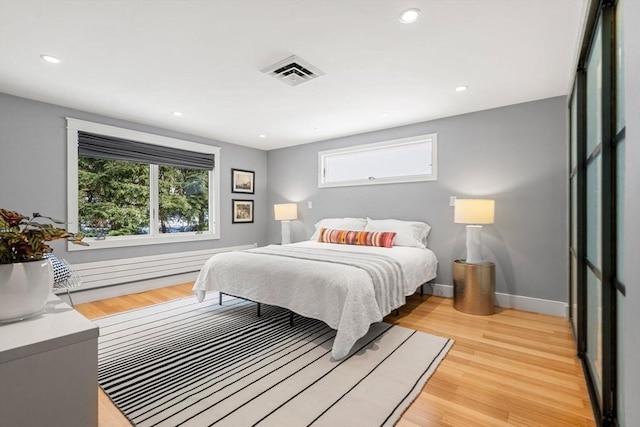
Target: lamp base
[[474, 244], [286, 232]]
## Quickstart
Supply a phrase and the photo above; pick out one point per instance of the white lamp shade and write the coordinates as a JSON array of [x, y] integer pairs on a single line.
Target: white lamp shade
[[474, 211], [285, 211]]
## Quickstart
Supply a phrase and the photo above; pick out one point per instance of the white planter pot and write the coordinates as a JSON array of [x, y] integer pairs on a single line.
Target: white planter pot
[[24, 289]]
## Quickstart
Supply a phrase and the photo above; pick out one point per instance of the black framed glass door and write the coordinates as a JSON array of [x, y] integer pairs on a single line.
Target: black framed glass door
[[596, 141]]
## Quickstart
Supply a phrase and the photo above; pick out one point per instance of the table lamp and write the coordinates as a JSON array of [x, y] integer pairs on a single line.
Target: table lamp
[[286, 212], [474, 212]]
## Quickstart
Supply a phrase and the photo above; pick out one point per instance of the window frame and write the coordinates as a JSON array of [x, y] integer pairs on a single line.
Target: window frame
[[433, 176], [75, 125]]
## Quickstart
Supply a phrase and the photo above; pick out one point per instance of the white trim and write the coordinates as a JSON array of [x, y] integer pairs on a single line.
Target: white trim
[[517, 302], [433, 176], [439, 290], [154, 200], [537, 305], [81, 296], [214, 197], [117, 271], [74, 125], [72, 182], [106, 279], [141, 240]]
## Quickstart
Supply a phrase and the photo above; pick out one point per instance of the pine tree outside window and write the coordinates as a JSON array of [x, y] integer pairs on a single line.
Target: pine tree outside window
[[131, 188]]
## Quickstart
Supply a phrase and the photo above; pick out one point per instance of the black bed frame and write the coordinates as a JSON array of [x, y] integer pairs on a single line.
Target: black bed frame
[[259, 305]]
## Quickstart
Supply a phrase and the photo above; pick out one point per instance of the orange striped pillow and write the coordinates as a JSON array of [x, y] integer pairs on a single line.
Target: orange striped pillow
[[363, 238]]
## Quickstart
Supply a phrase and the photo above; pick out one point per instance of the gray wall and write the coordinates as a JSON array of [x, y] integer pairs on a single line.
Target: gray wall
[[628, 313], [516, 155], [33, 175]]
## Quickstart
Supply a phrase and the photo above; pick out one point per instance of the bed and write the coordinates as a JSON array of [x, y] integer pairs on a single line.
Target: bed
[[347, 286]]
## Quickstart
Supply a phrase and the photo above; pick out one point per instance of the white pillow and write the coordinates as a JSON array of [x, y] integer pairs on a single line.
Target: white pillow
[[352, 224], [408, 233]]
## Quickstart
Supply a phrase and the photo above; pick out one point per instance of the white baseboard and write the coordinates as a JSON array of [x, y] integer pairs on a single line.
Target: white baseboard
[[536, 305], [113, 278], [88, 294], [81, 296], [439, 290]]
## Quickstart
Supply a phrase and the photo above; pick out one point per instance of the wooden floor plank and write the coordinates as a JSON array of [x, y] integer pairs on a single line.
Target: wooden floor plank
[[513, 368]]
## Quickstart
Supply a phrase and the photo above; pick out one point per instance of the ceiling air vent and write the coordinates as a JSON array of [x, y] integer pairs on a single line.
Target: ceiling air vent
[[293, 71]]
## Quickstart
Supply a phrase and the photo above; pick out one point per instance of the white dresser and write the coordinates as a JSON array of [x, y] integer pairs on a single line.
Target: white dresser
[[49, 369]]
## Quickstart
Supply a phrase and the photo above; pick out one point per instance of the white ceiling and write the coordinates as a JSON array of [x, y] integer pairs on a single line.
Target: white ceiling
[[142, 60]]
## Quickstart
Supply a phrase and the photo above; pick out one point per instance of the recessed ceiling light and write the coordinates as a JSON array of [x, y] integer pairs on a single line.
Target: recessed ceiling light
[[384, 114], [316, 129], [461, 88], [177, 113], [51, 59], [262, 135], [410, 15]]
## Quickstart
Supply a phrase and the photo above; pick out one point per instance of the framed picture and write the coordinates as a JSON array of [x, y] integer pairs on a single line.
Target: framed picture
[[242, 181], [242, 211]]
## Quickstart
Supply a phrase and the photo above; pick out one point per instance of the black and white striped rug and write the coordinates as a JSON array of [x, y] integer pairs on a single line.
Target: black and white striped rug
[[202, 364]]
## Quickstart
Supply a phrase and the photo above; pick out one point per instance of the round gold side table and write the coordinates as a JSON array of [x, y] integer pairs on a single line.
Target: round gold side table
[[474, 287]]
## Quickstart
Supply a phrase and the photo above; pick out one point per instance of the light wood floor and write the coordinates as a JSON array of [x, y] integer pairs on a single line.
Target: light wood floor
[[513, 368]]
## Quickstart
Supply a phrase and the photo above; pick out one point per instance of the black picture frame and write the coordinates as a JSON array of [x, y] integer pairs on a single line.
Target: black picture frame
[[241, 211], [242, 181]]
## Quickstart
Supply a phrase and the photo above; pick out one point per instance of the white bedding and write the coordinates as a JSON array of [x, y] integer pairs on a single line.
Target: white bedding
[[341, 295]]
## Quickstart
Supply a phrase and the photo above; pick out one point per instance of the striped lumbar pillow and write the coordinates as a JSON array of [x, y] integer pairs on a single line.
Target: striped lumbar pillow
[[364, 238]]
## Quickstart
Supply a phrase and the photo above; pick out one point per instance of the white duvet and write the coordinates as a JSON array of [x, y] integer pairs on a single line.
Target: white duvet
[[341, 295]]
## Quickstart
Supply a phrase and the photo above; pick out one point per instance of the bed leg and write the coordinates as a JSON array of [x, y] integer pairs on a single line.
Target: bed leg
[[259, 313], [290, 318], [397, 312], [422, 289], [219, 298]]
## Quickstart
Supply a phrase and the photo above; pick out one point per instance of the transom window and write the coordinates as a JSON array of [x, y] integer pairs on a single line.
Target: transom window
[[128, 188], [400, 160]]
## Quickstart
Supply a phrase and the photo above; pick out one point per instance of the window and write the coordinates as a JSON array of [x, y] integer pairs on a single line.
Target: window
[[401, 160], [129, 188]]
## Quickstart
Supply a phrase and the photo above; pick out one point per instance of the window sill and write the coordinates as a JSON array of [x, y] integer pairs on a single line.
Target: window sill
[[124, 241]]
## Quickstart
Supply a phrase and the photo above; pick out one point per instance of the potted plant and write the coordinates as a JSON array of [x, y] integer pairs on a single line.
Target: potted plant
[[26, 277]]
